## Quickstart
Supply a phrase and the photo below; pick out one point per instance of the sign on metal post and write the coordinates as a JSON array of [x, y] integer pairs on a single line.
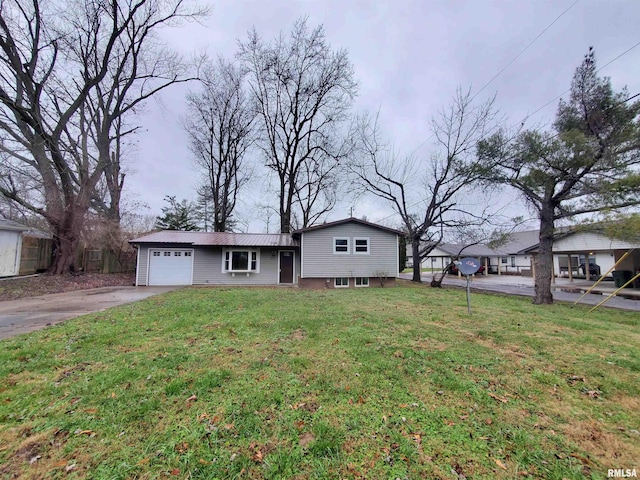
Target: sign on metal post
[[468, 266]]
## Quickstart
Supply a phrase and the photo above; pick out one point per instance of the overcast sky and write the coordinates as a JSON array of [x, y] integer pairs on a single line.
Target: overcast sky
[[409, 57]]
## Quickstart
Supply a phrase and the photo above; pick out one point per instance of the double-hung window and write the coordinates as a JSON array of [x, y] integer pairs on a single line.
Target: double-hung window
[[361, 245], [241, 261], [341, 245]]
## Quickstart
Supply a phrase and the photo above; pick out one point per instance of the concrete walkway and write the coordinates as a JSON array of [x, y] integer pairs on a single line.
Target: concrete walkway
[[563, 289], [29, 314]]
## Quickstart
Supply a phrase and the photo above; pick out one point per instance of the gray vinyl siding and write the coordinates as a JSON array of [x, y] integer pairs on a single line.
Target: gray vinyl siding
[[207, 269], [143, 262], [207, 266], [320, 261]]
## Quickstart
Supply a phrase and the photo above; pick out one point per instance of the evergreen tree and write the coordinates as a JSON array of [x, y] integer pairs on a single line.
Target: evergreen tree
[[587, 164], [177, 216]]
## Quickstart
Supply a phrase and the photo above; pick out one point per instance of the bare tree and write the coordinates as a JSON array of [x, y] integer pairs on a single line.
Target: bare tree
[[427, 196], [317, 191], [56, 67], [219, 125], [304, 91]]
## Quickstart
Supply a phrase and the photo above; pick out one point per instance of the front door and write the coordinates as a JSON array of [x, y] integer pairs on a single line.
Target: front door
[[286, 267]]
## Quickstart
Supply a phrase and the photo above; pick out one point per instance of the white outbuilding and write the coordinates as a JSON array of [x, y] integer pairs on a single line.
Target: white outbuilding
[[10, 247]]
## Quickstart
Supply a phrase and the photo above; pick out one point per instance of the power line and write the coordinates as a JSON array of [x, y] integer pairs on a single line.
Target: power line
[[628, 99], [525, 49], [537, 37], [569, 89]]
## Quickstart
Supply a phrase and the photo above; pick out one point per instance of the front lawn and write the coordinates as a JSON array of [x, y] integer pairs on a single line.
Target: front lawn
[[284, 383]]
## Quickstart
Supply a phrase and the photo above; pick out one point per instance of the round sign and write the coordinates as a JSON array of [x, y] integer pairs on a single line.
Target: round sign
[[469, 265]]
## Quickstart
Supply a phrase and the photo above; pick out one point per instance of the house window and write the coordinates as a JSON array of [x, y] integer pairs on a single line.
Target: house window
[[177, 254], [341, 282], [241, 261], [187, 254], [362, 281], [503, 260], [167, 254], [361, 246], [156, 254], [513, 261], [341, 245]]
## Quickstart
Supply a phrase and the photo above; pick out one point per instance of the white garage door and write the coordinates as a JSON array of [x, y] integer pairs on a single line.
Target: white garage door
[[170, 267]]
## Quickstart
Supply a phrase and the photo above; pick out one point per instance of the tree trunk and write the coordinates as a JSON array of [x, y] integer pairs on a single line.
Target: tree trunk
[[65, 245], [285, 220], [544, 259], [415, 257]]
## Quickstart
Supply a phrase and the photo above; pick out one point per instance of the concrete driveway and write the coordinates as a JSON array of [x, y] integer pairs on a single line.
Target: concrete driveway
[[29, 314]]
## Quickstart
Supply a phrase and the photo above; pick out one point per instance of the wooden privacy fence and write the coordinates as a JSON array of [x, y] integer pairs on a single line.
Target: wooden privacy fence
[[104, 260], [36, 257]]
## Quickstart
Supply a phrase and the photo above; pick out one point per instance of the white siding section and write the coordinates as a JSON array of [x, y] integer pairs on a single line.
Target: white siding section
[[10, 246], [319, 260], [604, 260], [589, 242]]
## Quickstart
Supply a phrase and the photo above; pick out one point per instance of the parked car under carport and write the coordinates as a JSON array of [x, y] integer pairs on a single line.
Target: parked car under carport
[[594, 270]]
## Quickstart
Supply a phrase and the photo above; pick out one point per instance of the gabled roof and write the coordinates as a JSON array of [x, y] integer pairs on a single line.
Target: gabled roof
[[472, 250], [519, 242], [11, 225], [348, 220], [221, 239]]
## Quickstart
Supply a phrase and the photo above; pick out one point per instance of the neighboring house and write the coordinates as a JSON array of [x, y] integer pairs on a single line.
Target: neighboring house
[[576, 253], [510, 257], [339, 254], [445, 253], [10, 247], [579, 248]]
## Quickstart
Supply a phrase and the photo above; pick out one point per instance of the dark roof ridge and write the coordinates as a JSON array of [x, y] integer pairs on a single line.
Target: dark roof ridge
[[347, 220]]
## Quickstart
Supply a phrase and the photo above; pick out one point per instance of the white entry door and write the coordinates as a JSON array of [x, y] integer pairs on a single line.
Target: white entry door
[[170, 267]]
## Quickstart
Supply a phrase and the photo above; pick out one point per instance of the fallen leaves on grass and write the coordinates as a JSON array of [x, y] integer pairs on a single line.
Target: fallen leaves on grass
[[305, 439], [500, 463], [498, 397]]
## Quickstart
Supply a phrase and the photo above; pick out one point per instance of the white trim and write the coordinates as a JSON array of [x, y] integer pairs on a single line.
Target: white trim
[[293, 278], [240, 249], [137, 265], [335, 285], [193, 255], [398, 256], [355, 282], [16, 262], [333, 247], [355, 245], [302, 255], [148, 265]]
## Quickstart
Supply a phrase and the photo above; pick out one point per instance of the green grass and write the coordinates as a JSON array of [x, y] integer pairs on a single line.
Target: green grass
[[209, 383]]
